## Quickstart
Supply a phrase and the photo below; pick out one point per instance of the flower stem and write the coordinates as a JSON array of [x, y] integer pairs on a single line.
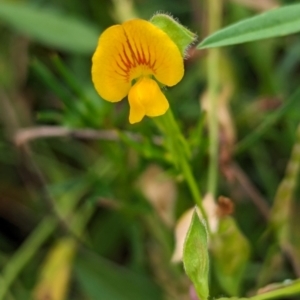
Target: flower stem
[[214, 22], [25, 253], [179, 150], [287, 290]]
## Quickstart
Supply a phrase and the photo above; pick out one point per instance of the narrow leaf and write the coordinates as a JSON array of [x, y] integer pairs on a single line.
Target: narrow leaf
[[278, 22], [285, 211], [281, 211], [195, 256], [55, 274], [50, 28]]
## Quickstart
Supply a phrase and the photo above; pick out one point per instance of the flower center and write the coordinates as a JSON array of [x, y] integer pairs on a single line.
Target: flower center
[[135, 60]]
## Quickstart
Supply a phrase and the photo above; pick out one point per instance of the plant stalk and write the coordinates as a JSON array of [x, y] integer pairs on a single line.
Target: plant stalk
[[287, 290], [214, 23]]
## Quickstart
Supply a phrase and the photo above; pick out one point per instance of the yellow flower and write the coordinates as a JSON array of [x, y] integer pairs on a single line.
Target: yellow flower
[[129, 59]]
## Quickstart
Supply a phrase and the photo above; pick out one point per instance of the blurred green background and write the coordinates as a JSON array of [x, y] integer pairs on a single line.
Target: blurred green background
[[83, 213]]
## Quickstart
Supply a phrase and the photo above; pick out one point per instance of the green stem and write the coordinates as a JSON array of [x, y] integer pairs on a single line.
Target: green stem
[[214, 18], [178, 147], [193, 187], [25, 253], [288, 290], [283, 290]]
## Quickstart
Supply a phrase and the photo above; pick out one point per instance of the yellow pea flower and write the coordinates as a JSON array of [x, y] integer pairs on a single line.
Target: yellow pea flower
[[129, 60]]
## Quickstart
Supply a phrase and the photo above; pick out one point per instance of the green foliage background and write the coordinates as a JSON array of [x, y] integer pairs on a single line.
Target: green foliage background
[[71, 164]]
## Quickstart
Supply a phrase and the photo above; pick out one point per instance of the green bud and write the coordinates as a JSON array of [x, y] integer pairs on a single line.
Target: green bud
[[195, 256], [180, 35]]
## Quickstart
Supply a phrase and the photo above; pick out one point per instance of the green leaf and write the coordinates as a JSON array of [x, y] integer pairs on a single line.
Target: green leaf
[[284, 217], [180, 35], [278, 22], [195, 256], [269, 121], [233, 298], [100, 279], [230, 253], [50, 28]]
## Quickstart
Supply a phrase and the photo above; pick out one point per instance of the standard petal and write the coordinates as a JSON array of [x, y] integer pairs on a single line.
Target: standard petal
[[146, 98], [154, 52], [110, 67]]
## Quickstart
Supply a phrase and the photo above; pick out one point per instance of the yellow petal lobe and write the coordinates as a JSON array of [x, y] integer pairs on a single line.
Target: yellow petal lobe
[[146, 98], [109, 72], [154, 52]]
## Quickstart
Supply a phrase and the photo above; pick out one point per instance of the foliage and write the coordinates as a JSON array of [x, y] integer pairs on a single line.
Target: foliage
[[89, 203]]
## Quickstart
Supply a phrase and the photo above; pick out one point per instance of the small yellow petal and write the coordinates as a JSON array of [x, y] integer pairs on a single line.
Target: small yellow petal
[[109, 73], [146, 98], [137, 110]]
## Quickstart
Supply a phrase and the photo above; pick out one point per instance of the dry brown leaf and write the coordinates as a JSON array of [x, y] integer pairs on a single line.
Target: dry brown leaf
[[181, 230], [211, 209], [182, 226], [225, 206], [224, 114], [160, 190]]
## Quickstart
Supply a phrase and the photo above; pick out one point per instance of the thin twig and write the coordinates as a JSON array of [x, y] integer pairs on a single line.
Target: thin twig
[[251, 190], [26, 135]]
